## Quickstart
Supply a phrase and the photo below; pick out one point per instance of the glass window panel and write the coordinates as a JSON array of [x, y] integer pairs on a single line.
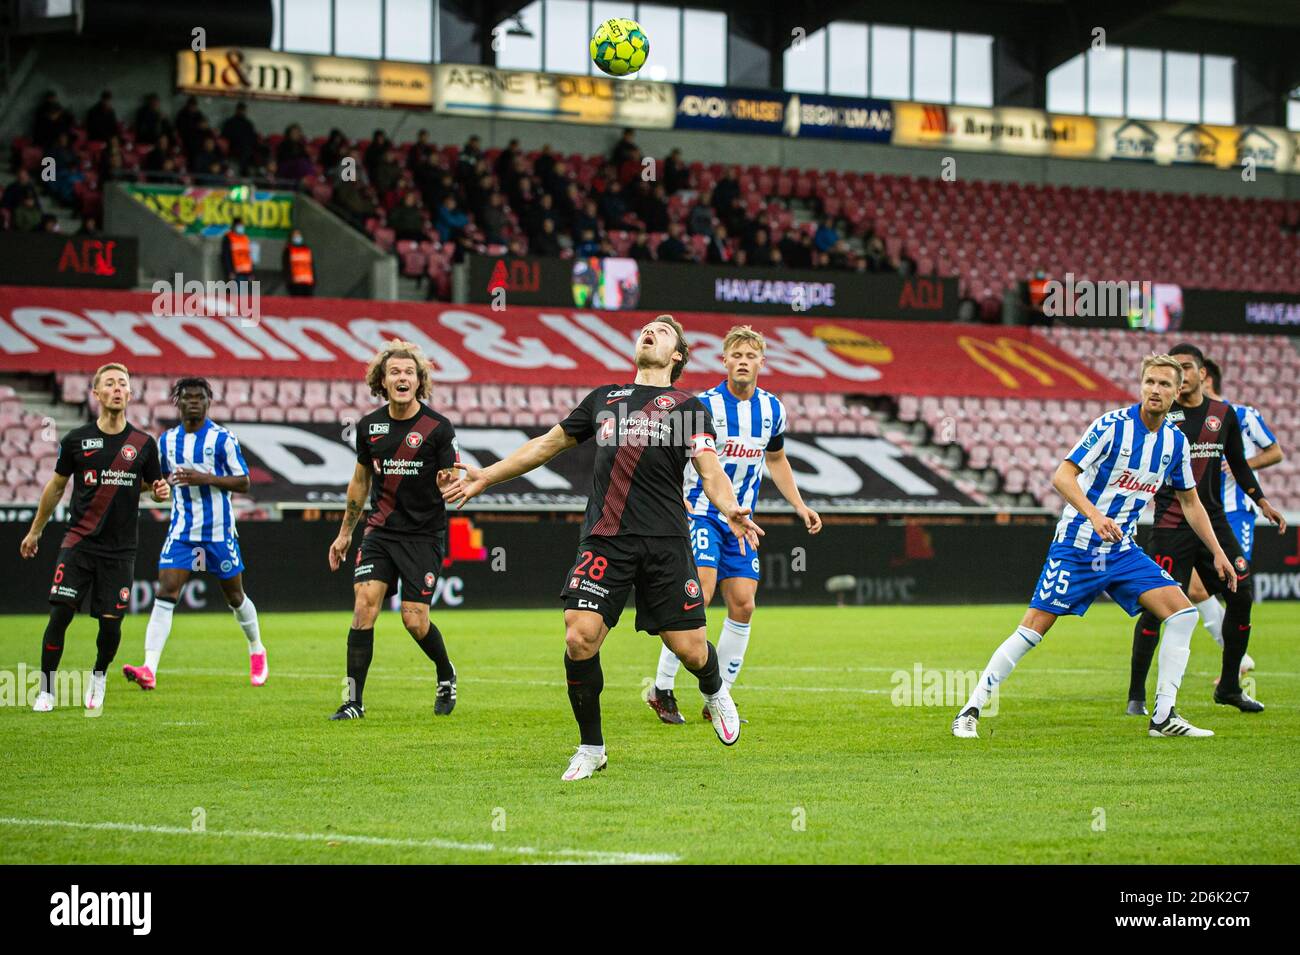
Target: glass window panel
[[1219, 104], [662, 27], [356, 28], [517, 52], [704, 48], [1182, 87], [932, 71], [1065, 87], [847, 49], [974, 69], [891, 59], [566, 46], [805, 64], [1106, 81], [1293, 114], [1145, 98], [307, 26], [277, 24], [408, 30]]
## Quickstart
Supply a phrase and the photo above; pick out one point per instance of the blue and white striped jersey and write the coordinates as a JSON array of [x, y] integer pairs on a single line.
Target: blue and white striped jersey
[[747, 430], [1255, 437], [201, 514], [1123, 465]]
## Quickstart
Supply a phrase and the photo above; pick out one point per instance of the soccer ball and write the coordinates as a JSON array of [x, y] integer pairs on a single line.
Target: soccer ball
[[619, 47]]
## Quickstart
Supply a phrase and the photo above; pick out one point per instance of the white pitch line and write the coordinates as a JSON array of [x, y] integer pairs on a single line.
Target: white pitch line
[[580, 855]]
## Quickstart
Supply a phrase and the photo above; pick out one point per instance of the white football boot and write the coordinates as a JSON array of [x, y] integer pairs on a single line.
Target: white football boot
[[1175, 725], [724, 716], [95, 692], [586, 763], [966, 725], [44, 702]]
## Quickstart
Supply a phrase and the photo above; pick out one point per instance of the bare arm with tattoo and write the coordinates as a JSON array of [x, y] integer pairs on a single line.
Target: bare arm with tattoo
[[358, 491]]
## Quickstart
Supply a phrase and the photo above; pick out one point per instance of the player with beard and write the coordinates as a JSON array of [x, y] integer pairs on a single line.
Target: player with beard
[[112, 463], [405, 451], [634, 536], [1214, 433]]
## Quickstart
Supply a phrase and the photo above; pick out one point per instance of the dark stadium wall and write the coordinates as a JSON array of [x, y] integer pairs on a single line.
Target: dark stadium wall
[[79, 69]]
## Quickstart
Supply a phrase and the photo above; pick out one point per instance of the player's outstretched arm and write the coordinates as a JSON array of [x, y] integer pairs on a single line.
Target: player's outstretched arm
[[358, 491], [778, 465], [1199, 521], [50, 497], [1066, 482], [718, 489], [532, 454], [1234, 454], [236, 483]]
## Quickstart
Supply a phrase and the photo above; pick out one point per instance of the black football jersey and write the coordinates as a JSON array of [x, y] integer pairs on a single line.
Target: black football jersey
[[404, 458], [106, 471], [1214, 436], [645, 434]]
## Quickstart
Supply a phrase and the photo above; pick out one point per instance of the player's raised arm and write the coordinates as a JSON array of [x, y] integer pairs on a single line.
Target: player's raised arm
[[1234, 454], [358, 491], [718, 489], [1199, 521], [50, 497], [528, 456], [778, 465]]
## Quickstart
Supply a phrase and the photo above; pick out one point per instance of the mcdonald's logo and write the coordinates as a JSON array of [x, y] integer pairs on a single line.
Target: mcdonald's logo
[[1003, 356]]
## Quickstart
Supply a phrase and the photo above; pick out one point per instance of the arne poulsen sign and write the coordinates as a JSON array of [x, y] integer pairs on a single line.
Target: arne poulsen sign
[[82, 261]]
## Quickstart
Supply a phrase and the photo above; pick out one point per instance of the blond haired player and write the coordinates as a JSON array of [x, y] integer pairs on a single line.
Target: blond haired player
[[405, 451], [751, 426], [111, 463]]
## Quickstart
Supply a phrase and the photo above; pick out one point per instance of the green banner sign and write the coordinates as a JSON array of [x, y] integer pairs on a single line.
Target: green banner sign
[[208, 210]]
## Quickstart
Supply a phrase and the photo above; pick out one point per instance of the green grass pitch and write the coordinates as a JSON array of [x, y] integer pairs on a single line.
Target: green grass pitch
[[208, 769]]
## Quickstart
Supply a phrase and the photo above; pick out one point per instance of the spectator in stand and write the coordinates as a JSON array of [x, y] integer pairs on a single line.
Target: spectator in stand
[[718, 252], [467, 162], [725, 190], [353, 199], [101, 119], [434, 185], [237, 253], [504, 167], [640, 249], [67, 170], [112, 161], [700, 219], [544, 165], [545, 242], [826, 236], [150, 123], [517, 248], [451, 221], [586, 220], [407, 220], [217, 174], [89, 226], [421, 151], [190, 123], [906, 265], [51, 120], [738, 258], [536, 215], [841, 258], [758, 250], [631, 169], [676, 175], [241, 136], [291, 158], [478, 194], [335, 147], [376, 151], [795, 248], [876, 256], [557, 181], [49, 223], [27, 217], [19, 189], [624, 148], [653, 209], [297, 266], [520, 193], [612, 207], [737, 223], [386, 175], [673, 249], [201, 161], [821, 260], [494, 222], [154, 159], [587, 245], [567, 205]]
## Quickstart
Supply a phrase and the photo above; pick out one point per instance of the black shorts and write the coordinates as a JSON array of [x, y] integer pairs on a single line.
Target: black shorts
[[1179, 551], [415, 560], [107, 579], [661, 570]]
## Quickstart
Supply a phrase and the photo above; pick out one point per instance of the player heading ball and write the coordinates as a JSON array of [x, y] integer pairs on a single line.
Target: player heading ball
[[634, 536]]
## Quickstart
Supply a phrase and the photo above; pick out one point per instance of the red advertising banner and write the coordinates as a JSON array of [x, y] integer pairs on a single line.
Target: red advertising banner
[[44, 329]]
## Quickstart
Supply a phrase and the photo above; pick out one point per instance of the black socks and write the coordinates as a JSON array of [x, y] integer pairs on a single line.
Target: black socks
[[709, 675], [361, 647], [52, 644], [1146, 636], [436, 650], [585, 681], [110, 638]]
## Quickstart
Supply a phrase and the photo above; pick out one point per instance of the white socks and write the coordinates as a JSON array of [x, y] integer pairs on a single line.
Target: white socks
[[1003, 661], [731, 654], [731, 649], [668, 664], [246, 616], [1175, 648], [156, 633], [1212, 614]]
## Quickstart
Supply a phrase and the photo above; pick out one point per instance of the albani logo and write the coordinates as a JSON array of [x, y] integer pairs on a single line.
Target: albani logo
[[735, 449], [1128, 481]]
